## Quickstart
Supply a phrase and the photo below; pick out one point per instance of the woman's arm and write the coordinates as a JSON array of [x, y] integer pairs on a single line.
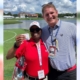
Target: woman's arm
[[11, 52]]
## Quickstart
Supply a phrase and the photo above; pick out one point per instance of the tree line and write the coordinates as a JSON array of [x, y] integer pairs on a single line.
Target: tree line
[[62, 14], [40, 15]]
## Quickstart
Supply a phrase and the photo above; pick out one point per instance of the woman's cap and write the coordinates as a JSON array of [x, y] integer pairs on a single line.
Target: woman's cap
[[35, 23]]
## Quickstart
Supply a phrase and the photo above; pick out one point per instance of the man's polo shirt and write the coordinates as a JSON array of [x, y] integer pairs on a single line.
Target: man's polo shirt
[[66, 36], [28, 49]]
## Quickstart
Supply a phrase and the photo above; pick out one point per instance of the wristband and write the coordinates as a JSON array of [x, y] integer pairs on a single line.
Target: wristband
[[15, 46]]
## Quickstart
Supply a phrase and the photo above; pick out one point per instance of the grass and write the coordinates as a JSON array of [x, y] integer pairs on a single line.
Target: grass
[[78, 15], [30, 18], [1, 49], [10, 21], [8, 43], [14, 21]]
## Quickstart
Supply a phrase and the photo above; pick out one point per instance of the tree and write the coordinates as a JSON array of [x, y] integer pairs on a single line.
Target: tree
[[15, 15], [4, 13], [39, 15], [26, 16], [9, 13]]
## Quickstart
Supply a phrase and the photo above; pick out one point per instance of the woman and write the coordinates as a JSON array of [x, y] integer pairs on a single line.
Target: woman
[[35, 53]]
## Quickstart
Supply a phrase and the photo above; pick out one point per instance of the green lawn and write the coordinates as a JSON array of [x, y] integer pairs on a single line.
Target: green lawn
[[10, 21], [8, 43], [78, 15], [1, 49], [14, 21]]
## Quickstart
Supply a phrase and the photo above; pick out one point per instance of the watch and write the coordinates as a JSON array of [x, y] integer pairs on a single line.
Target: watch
[[15, 46]]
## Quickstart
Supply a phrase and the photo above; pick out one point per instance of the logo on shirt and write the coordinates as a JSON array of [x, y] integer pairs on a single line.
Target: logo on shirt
[[61, 34]]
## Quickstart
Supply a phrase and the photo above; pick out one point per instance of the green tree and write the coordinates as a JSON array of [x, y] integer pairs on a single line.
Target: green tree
[[15, 15], [39, 15], [9, 13], [4, 13], [26, 16]]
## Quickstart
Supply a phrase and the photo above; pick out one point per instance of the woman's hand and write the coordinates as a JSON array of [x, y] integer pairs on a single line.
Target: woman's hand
[[19, 39]]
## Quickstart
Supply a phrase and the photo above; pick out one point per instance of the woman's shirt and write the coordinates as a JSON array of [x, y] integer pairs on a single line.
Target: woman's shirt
[[28, 49]]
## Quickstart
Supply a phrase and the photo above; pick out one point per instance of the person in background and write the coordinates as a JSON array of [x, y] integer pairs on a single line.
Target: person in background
[[34, 52]]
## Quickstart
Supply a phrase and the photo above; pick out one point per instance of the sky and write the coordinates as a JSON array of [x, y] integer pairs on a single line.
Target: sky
[[78, 5], [34, 6]]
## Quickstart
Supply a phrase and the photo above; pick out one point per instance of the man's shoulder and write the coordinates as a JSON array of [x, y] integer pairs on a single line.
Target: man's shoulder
[[67, 23], [45, 27], [68, 26], [45, 32]]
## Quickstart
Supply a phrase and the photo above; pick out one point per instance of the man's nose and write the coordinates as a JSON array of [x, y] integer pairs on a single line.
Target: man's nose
[[50, 15]]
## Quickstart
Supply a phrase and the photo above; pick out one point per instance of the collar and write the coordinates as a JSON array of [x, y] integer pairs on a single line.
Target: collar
[[56, 26], [33, 43]]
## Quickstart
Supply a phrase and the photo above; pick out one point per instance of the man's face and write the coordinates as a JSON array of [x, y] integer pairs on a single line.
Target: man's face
[[51, 16]]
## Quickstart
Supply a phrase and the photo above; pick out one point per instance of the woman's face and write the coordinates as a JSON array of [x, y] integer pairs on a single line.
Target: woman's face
[[35, 32]]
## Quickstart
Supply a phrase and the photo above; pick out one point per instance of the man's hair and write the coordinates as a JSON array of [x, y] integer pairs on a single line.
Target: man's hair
[[49, 5]]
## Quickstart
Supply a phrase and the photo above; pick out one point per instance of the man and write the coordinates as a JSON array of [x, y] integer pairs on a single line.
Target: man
[[60, 40]]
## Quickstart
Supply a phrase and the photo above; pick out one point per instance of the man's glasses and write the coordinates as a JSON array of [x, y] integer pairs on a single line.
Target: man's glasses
[[46, 4], [35, 29]]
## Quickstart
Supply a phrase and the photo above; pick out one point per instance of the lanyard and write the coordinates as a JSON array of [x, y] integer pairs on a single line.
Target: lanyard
[[39, 54], [52, 40]]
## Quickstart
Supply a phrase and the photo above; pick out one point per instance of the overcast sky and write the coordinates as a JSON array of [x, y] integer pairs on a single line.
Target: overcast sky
[[78, 5], [63, 6]]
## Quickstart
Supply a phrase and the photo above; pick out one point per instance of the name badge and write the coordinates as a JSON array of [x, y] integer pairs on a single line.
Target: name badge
[[52, 50], [41, 74]]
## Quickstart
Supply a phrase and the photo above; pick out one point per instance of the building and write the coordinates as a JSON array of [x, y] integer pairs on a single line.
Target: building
[[22, 15], [26, 14], [35, 15], [8, 17], [69, 16]]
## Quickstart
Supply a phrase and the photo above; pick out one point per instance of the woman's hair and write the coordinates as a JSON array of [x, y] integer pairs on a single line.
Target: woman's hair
[[49, 5]]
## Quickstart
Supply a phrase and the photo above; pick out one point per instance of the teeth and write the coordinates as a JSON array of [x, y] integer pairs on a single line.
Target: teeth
[[35, 34]]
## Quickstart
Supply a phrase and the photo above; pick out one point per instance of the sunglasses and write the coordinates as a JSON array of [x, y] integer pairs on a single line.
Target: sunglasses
[[35, 29]]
